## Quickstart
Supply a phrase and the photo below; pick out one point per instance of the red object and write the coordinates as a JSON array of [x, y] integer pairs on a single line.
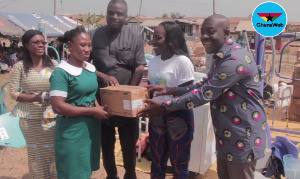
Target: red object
[[144, 144]]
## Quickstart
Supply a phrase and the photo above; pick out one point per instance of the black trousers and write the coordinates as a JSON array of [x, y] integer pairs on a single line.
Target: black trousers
[[128, 135]]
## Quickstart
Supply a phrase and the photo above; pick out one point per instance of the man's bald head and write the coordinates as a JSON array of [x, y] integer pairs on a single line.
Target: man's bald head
[[219, 20], [214, 32]]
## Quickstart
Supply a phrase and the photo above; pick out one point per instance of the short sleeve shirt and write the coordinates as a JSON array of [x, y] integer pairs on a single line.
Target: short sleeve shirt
[[119, 55], [78, 85], [237, 109], [171, 73]]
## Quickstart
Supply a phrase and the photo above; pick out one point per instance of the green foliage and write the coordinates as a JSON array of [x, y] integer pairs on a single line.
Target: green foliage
[[176, 15], [92, 19], [165, 16], [286, 51]]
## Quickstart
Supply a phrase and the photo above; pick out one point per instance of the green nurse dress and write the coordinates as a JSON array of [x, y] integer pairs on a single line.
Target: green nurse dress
[[77, 139]]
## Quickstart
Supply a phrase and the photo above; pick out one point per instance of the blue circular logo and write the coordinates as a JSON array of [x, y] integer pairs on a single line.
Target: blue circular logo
[[269, 19]]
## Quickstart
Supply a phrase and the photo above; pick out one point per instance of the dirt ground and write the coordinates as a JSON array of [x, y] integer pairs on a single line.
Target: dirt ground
[[13, 162]]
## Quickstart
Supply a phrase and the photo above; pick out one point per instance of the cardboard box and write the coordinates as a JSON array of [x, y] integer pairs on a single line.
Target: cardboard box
[[124, 100]]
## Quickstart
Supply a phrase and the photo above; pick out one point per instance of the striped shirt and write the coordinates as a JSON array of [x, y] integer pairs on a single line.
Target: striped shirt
[[34, 82]]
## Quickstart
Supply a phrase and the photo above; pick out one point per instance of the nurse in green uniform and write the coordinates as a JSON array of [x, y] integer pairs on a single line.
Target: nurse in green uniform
[[78, 127]]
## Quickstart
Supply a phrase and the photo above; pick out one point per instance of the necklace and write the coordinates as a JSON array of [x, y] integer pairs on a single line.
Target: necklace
[[37, 68]]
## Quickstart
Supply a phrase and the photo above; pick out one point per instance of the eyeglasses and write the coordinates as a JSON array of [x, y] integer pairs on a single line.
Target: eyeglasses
[[39, 42]]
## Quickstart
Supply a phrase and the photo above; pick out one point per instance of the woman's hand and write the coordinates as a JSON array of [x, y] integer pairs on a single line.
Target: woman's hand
[[38, 98], [100, 113], [153, 108], [160, 90]]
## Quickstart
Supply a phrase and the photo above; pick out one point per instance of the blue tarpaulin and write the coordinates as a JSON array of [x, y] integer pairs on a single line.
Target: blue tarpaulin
[[55, 25]]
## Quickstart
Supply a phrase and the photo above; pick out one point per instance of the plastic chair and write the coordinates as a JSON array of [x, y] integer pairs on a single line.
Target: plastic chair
[[282, 97], [142, 121], [291, 167], [10, 132], [3, 96]]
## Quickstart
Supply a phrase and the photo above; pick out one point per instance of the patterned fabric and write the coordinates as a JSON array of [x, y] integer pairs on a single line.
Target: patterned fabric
[[171, 136], [34, 82], [238, 114], [37, 121], [39, 135]]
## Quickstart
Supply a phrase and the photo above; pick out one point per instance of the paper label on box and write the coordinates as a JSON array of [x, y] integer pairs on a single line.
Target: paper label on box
[[137, 104], [133, 105], [127, 104], [3, 134]]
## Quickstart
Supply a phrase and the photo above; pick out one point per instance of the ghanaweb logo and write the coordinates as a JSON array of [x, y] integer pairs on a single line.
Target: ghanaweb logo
[[269, 19]]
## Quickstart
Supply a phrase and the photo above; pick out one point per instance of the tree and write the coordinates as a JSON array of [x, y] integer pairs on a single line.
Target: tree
[[177, 15], [165, 16], [91, 20]]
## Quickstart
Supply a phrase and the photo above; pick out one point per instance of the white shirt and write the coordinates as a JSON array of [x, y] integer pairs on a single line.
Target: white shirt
[[171, 73]]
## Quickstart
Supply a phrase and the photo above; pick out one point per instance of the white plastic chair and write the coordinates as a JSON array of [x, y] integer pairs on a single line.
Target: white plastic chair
[[282, 97], [144, 121]]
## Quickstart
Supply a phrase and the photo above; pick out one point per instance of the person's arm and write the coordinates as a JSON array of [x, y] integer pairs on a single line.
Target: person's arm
[[216, 85], [23, 97], [226, 77], [184, 73], [189, 83], [15, 87], [137, 75], [59, 81], [185, 78], [60, 106], [108, 80], [140, 62]]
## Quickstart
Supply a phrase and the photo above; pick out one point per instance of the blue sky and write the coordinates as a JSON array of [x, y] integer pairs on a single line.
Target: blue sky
[[154, 8]]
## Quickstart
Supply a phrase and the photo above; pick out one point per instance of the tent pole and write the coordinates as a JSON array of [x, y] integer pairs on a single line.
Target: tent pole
[[54, 13], [139, 14]]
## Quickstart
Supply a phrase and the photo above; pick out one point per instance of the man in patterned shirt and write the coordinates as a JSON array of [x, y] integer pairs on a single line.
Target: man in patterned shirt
[[233, 90]]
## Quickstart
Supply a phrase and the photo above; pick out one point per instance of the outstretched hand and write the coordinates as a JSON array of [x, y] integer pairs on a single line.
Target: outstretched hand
[[153, 108], [160, 90]]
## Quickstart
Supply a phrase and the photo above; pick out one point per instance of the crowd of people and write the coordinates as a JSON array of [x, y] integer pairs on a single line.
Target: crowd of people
[[10, 55], [66, 127]]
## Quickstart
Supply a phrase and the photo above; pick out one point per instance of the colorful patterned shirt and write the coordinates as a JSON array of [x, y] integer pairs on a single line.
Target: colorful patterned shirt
[[34, 82], [237, 110]]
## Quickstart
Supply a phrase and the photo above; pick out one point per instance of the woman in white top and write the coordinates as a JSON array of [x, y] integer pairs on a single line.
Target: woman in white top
[[170, 134]]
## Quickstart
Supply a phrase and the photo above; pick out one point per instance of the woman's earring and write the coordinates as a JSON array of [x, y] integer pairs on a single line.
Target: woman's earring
[[67, 49]]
